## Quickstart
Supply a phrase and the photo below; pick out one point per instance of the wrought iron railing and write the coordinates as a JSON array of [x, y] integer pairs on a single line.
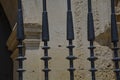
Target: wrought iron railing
[[70, 38]]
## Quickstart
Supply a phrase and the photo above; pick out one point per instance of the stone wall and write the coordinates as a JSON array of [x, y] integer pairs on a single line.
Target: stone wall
[[58, 51], [104, 64], [32, 10]]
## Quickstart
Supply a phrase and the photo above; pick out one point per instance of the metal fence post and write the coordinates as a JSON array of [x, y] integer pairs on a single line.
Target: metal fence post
[[45, 39], [91, 38], [20, 38], [70, 38]]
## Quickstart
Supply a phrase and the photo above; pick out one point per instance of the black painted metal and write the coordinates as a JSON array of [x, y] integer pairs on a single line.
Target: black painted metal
[[45, 39], [114, 38], [70, 38], [20, 38], [91, 38]]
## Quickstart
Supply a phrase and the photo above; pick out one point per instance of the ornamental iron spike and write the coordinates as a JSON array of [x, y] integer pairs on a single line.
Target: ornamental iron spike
[[91, 37], [45, 26], [70, 30], [70, 38], [114, 31], [115, 39], [91, 34], [90, 24], [45, 39], [20, 28]]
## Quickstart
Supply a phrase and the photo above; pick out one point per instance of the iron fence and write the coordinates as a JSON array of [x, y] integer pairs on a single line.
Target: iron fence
[[70, 38]]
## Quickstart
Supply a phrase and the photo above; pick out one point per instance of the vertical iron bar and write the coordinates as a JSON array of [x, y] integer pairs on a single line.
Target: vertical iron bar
[[45, 39], [114, 38], [70, 38], [91, 38], [20, 38]]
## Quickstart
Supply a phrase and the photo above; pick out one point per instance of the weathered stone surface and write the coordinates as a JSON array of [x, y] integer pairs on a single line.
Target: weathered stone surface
[[104, 64], [32, 65], [101, 75], [58, 51], [57, 26], [105, 56], [32, 10], [105, 75]]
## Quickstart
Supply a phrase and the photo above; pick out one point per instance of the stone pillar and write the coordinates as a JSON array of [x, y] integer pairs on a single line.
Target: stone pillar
[[31, 50], [32, 21], [32, 26]]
